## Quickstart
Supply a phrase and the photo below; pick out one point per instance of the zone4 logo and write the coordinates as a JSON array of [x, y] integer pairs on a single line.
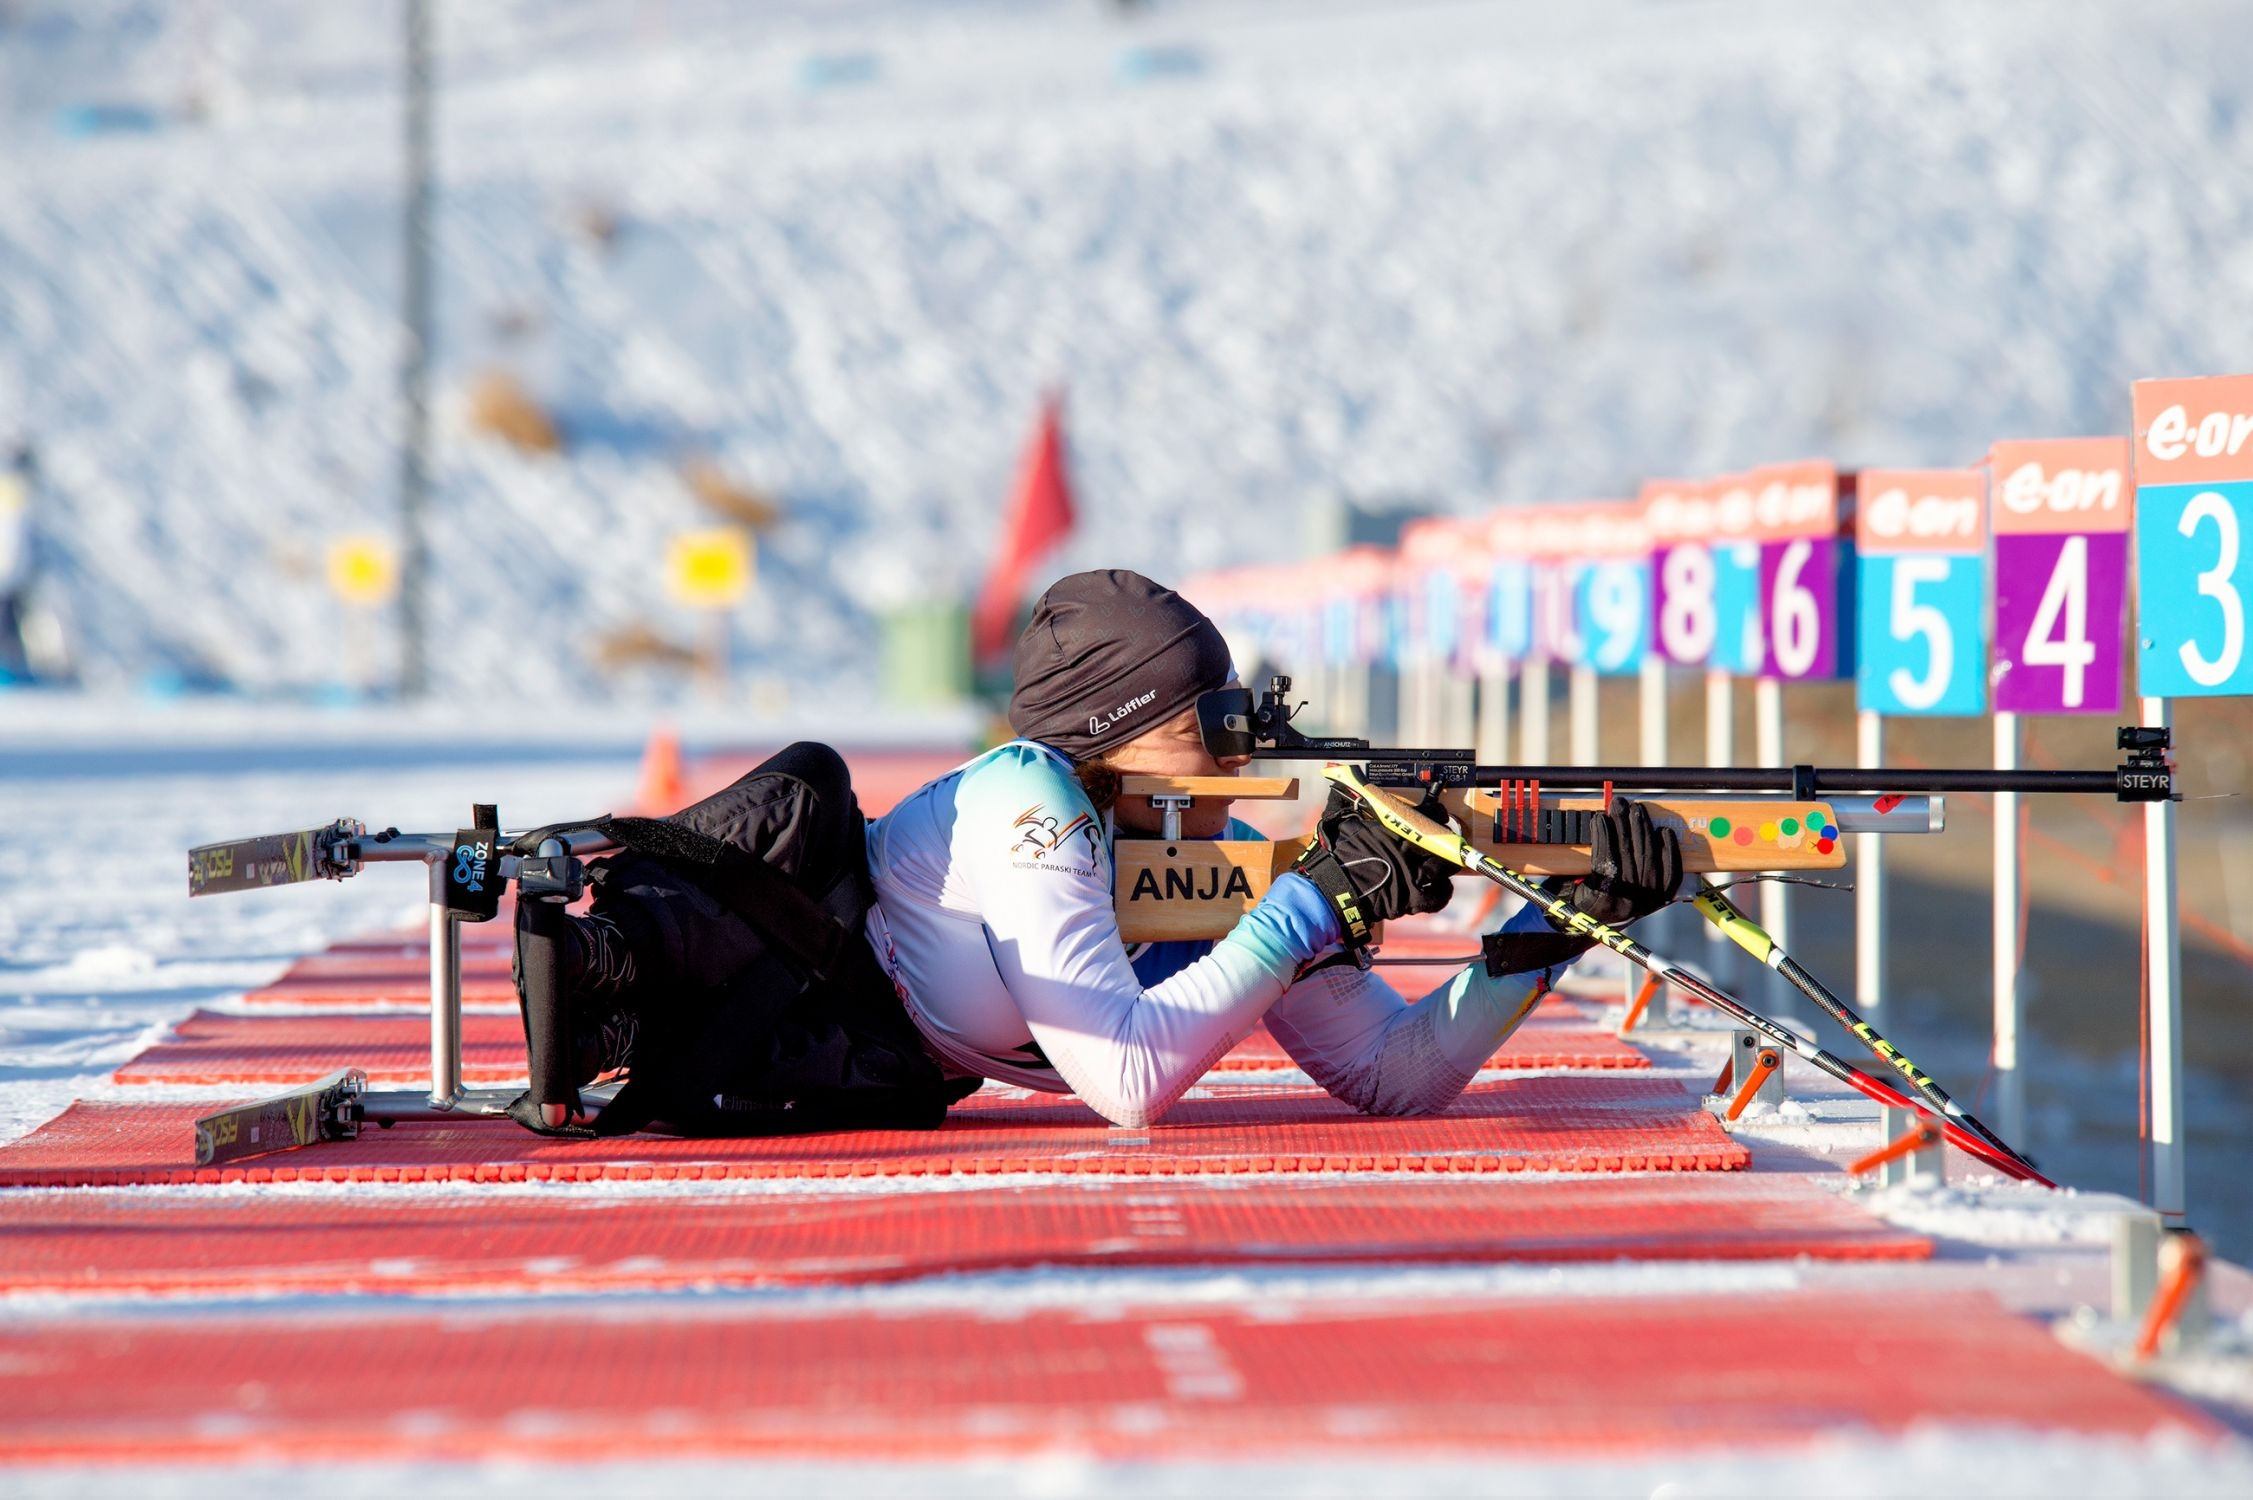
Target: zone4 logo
[[470, 861], [1039, 834]]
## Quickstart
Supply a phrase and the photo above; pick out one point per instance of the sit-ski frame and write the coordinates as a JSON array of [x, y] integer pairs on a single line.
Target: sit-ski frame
[[335, 1107]]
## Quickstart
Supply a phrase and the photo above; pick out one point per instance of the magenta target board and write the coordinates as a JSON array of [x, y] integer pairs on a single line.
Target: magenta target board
[[2061, 510], [1805, 632], [1679, 518]]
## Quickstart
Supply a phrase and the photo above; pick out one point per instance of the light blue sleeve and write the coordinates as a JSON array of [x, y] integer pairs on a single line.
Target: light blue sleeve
[[1356, 1036]]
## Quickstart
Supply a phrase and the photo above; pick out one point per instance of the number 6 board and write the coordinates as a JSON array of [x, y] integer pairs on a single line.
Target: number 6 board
[[1921, 540], [2060, 511], [2194, 494]]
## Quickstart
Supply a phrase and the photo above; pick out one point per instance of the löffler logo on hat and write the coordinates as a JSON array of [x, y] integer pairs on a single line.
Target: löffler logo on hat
[[1104, 723]]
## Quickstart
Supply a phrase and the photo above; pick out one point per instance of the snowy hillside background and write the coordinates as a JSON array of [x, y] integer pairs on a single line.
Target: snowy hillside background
[[1277, 253]]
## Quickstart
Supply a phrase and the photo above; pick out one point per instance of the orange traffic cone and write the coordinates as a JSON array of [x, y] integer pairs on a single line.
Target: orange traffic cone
[[661, 791]]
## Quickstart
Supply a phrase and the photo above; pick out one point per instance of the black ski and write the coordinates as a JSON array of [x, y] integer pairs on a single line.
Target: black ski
[[325, 1111], [272, 859]]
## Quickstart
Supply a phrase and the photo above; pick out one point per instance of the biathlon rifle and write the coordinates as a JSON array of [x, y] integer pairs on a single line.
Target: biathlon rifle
[[1234, 724], [1507, 811]]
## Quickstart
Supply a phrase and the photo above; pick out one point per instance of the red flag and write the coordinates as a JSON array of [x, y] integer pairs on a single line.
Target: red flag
[[1040, 516]]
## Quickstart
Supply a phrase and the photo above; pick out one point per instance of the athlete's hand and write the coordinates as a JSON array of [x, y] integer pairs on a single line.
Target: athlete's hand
[[1635, 866], [1366, 874]]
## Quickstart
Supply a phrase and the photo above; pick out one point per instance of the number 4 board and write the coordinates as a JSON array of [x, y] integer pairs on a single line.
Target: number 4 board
[[2060, 511]]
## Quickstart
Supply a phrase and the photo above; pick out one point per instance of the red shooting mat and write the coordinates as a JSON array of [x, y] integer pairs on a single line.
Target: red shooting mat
[[1541, 1124], [337, 981], [211, 1047], [122, 1241], [1550, 1376], [282, 1050]]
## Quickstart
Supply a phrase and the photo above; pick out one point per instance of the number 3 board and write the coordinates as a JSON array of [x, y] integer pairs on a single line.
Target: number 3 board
[[2194, 494]]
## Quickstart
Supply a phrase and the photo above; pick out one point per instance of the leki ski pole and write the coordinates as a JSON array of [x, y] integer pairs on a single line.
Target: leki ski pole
[[1408, 824], [1717, 908]]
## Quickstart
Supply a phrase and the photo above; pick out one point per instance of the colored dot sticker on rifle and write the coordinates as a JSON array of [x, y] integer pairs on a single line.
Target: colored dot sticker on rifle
[[1767, 833], [1719, 828], [1790, 825], [1825, 845], [1742, 835]]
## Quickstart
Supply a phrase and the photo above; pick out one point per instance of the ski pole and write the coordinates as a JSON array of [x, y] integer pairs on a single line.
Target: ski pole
[[1413, 827], [1717, 908]]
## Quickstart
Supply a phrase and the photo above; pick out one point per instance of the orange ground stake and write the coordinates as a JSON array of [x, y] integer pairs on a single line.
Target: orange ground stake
[[1643, 998], [2182, 1260], [1770, 1061], [1920, 1136], [661, 783]]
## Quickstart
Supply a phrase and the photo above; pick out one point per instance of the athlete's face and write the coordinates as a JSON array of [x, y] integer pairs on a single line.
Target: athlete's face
[[1174, 748]]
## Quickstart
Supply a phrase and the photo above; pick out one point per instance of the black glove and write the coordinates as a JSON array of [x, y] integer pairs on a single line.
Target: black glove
[[1368, 875], [1635, 867]]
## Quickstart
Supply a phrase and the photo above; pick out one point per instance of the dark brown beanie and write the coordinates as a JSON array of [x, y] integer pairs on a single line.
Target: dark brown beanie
[[1109, 655]]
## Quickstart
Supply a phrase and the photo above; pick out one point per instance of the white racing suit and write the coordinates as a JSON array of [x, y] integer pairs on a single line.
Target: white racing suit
[[994, 919]]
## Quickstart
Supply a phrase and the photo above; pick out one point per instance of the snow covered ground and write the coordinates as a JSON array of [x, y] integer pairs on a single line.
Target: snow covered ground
[[1450, 253]]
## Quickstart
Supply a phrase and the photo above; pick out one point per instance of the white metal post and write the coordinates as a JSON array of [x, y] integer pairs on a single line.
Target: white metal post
[[1869, 882], [1355, 707], [1652, 706], [1583, 716], [2010, 1083], [1409, 694], [1651, 726], [2165, 955], [1720, 750], [1459, 717], [1768, 733], [1493, 738], [1533, 712]]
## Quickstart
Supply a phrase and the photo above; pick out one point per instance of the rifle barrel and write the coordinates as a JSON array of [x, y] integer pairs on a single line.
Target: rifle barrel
[[1452, 769], [1819, 781]]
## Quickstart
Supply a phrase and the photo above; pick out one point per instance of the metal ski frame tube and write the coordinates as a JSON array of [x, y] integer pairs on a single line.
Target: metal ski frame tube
[[1408, 824], [445, 992], [1717, 908], [445, 1098]]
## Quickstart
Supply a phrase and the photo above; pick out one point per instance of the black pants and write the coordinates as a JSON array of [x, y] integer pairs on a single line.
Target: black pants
[[735, 1040]]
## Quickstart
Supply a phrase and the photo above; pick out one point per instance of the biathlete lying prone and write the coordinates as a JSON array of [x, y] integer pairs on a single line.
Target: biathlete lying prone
[[979, 939]]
